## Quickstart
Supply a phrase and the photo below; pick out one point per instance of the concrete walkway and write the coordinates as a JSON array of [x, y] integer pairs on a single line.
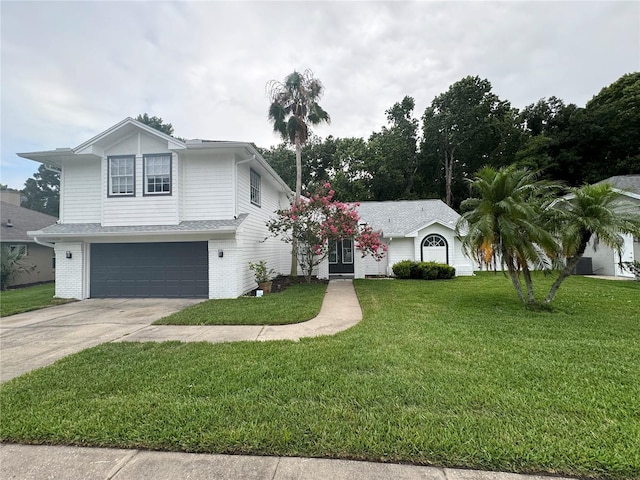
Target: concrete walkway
[[74, 463], [340, 310]]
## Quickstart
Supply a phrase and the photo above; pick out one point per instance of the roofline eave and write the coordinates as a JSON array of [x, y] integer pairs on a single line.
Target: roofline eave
[[41, 234]]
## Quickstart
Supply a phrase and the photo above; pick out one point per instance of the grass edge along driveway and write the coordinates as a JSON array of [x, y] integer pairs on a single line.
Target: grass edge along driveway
[[297, 303], [452, 373], [19, 300]]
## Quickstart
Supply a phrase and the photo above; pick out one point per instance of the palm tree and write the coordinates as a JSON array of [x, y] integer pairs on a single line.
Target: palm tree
[[294, 107], [591, 212], [504, 223]]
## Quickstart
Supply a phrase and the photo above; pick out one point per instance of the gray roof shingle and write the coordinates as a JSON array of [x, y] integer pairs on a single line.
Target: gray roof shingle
[[23, 220], [95, 229], [401, 217], [629, 183]]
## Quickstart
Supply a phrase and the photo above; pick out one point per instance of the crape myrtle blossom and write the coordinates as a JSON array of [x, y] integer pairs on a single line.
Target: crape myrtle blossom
[[316, 220]]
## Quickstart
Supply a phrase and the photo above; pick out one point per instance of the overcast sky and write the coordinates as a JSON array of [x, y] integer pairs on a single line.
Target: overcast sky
[[72, 69]]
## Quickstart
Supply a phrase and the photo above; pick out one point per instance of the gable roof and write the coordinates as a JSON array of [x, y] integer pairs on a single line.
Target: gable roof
[[625, 184], [402, 218], [23, 220], [129, 125]]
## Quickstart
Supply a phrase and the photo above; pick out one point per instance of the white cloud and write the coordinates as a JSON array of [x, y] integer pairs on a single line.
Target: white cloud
[[72, 69]]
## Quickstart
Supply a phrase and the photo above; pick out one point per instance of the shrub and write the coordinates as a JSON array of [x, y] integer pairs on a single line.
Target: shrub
[[423, 270], [402, 269], [428, 270]]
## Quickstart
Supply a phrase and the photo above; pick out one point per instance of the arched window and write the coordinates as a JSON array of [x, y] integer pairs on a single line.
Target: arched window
[[435, 249]]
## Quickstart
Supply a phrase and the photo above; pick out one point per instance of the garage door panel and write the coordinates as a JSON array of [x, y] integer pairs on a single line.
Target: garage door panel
[[150, 270]]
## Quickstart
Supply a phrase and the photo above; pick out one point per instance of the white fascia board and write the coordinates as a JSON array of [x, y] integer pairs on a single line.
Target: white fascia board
[[57, 157], [172, 143], [415, 232], [627, 193]]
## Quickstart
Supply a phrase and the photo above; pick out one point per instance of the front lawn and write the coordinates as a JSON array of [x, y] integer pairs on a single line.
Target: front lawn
[[452, 373], [29, 298], [296, 303]]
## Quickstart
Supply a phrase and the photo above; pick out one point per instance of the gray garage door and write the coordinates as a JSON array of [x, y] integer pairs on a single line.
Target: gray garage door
[[149, 270]]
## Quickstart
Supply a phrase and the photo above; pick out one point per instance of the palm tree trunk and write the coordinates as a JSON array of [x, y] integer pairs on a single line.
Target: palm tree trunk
[[568, 268], [564, 273], [529, 282], [294, 243], [513, 273], [448, 176]]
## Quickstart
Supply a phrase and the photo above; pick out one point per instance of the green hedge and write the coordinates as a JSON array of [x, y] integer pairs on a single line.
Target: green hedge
[[423, 270]]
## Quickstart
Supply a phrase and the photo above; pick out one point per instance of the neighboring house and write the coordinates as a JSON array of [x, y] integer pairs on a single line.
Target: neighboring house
[[143, 214], [602, 260], [421, 230], [16, 221]]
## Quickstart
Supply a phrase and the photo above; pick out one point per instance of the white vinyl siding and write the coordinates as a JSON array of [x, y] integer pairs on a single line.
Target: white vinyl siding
[[140, 209], [208, 187], [255, 247], [82, 193]]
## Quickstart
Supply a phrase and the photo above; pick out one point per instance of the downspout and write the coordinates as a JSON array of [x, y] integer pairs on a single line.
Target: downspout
[[235, 182]]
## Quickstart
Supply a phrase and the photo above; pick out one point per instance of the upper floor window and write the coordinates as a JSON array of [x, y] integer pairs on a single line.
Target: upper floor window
[[157, 174], [122, 175], [255, 188]]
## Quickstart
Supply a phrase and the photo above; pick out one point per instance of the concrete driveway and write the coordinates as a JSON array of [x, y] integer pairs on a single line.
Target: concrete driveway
[[35, 339]]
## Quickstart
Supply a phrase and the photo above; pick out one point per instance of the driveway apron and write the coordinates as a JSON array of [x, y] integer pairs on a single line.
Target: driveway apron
[[35, 339]]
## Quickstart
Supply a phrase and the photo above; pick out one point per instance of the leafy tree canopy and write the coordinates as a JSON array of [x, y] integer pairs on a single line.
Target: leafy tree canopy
[[158, 124], [42, 192]]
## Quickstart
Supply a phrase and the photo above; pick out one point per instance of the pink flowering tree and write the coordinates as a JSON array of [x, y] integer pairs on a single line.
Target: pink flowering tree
[[316, 220]]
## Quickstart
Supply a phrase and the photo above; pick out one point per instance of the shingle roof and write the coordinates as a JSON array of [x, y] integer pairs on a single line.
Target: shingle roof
[[399, 218], [629, 183], [95, 229], [23, 220]]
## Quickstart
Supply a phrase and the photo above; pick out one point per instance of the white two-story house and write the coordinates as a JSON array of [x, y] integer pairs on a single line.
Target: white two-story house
[[143, 214]]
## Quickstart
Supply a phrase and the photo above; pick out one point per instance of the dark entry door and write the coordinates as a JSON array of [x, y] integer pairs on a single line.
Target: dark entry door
[[161, 270], [341, 256]]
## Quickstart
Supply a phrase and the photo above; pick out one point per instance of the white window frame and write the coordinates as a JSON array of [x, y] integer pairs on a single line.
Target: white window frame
[[21, 249], [111, 168], [146, 175], [255, 184]]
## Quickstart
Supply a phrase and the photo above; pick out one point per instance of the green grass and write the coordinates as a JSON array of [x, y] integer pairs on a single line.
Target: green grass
[[27, 299], [297, 303], [454, 373]]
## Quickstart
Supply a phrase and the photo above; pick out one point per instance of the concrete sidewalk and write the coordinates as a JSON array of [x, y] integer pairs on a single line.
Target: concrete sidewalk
[[74, 463], [340, 310]]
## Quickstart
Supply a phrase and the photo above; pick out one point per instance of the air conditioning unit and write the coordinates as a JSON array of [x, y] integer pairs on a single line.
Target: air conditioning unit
[[584, 267]]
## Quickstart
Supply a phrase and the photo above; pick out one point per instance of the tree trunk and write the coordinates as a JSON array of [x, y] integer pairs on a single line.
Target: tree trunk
[[529, 282], [568, 268], [513, 274], [294, 243], [448, 175]]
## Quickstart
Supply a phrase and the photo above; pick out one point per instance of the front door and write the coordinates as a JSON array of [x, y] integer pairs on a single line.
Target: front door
[[341, 256]]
